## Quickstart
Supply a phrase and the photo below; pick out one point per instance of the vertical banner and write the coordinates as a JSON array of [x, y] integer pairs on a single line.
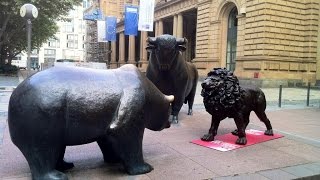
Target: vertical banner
[[111, 23], [131, 20], [101, 28], [146, 15]]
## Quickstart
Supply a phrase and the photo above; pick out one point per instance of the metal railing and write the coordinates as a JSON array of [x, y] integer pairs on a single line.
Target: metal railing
[[305, 96]]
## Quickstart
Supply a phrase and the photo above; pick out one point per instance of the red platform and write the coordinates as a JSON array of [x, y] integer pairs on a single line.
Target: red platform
[[226, 142]]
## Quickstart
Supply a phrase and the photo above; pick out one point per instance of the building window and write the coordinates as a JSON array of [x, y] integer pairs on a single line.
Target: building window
[[34, 52], [72, 44], [69, 27], [54, 43], [72, 37], [49, 52], [232, 39]]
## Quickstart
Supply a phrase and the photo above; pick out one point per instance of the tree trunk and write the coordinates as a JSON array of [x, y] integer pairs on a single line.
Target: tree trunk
[[2, 56]]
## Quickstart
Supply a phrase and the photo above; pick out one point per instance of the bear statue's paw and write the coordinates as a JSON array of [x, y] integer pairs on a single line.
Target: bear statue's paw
[[63, 166], [235, 132], [139, 169], [207, 137], [269, 132], [241, 141], [53, 175], [111, 159], [190, 112]]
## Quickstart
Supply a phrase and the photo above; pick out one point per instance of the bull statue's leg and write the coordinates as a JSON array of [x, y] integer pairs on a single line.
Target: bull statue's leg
[[191, 96], [176, 106], [190, 99]]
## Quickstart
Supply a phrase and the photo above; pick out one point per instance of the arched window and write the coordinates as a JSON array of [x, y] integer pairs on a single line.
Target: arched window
[[232, 40]]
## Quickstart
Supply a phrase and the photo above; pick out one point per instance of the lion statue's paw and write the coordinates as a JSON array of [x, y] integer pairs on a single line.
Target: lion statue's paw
[[207, 137], [235, 132], [241, 141], [269, 132]]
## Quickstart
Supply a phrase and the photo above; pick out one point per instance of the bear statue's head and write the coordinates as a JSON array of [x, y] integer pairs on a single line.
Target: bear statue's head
[[157, 112]]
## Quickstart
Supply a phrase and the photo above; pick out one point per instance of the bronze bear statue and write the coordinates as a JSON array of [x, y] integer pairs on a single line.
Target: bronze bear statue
[[65, 106], [223, 97]]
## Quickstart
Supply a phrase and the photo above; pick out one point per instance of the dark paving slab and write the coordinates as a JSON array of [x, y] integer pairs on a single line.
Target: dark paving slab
[[243, 177], [299, 171], [277, 174]]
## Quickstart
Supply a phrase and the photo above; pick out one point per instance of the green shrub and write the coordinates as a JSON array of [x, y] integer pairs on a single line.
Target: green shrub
[[8, 69]]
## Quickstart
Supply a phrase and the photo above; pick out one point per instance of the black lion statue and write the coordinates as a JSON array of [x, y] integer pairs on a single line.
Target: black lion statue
[[224, 97]]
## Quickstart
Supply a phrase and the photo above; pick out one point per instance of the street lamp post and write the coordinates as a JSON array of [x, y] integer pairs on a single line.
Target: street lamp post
[[29, 12]]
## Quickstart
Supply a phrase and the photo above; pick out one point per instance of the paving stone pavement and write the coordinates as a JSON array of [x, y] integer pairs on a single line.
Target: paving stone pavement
[[296, 156]]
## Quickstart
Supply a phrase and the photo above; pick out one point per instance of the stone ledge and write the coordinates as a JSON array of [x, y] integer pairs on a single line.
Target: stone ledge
[[7, 88]]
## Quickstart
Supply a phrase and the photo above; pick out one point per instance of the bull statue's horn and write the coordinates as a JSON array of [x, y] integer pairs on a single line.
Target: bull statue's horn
[[169, 98], [181, 41], [152, 40]]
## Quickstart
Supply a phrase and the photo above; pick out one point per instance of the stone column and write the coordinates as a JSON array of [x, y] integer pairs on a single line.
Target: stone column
[[160, 27], [318, 58], [156, 28], [175, 25], [121, 48], [180, 25], [143, 45], [132, 54], [113, 52]]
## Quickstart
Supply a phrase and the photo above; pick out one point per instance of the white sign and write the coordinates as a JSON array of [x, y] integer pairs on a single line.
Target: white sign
[[146, 15], [101, 30]]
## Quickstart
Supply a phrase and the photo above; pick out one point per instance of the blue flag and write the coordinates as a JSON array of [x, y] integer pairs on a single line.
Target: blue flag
[[111, 24], [131, 20]]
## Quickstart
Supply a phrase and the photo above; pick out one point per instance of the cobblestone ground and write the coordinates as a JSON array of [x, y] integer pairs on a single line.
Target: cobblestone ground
[[9, 81], [6, 84], [4, 100]]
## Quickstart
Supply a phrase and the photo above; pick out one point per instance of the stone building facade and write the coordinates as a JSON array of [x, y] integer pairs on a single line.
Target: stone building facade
[[266, 42]]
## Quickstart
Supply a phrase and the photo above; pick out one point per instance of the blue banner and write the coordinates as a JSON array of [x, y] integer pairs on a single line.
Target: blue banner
[[111, 24], [131, 20]]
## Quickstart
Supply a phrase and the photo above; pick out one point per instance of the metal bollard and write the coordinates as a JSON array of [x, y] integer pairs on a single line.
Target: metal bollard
[[308, 94], [280, 95]]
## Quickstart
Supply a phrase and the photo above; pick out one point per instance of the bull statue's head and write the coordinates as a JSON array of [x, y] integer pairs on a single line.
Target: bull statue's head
[[165, 49]]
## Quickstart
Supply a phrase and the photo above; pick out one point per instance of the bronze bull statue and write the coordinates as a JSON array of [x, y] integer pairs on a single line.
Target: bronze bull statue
[[169, 71], [65, 106]]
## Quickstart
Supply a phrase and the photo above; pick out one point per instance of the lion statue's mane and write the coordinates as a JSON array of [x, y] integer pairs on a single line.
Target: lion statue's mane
[[221, 91]]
